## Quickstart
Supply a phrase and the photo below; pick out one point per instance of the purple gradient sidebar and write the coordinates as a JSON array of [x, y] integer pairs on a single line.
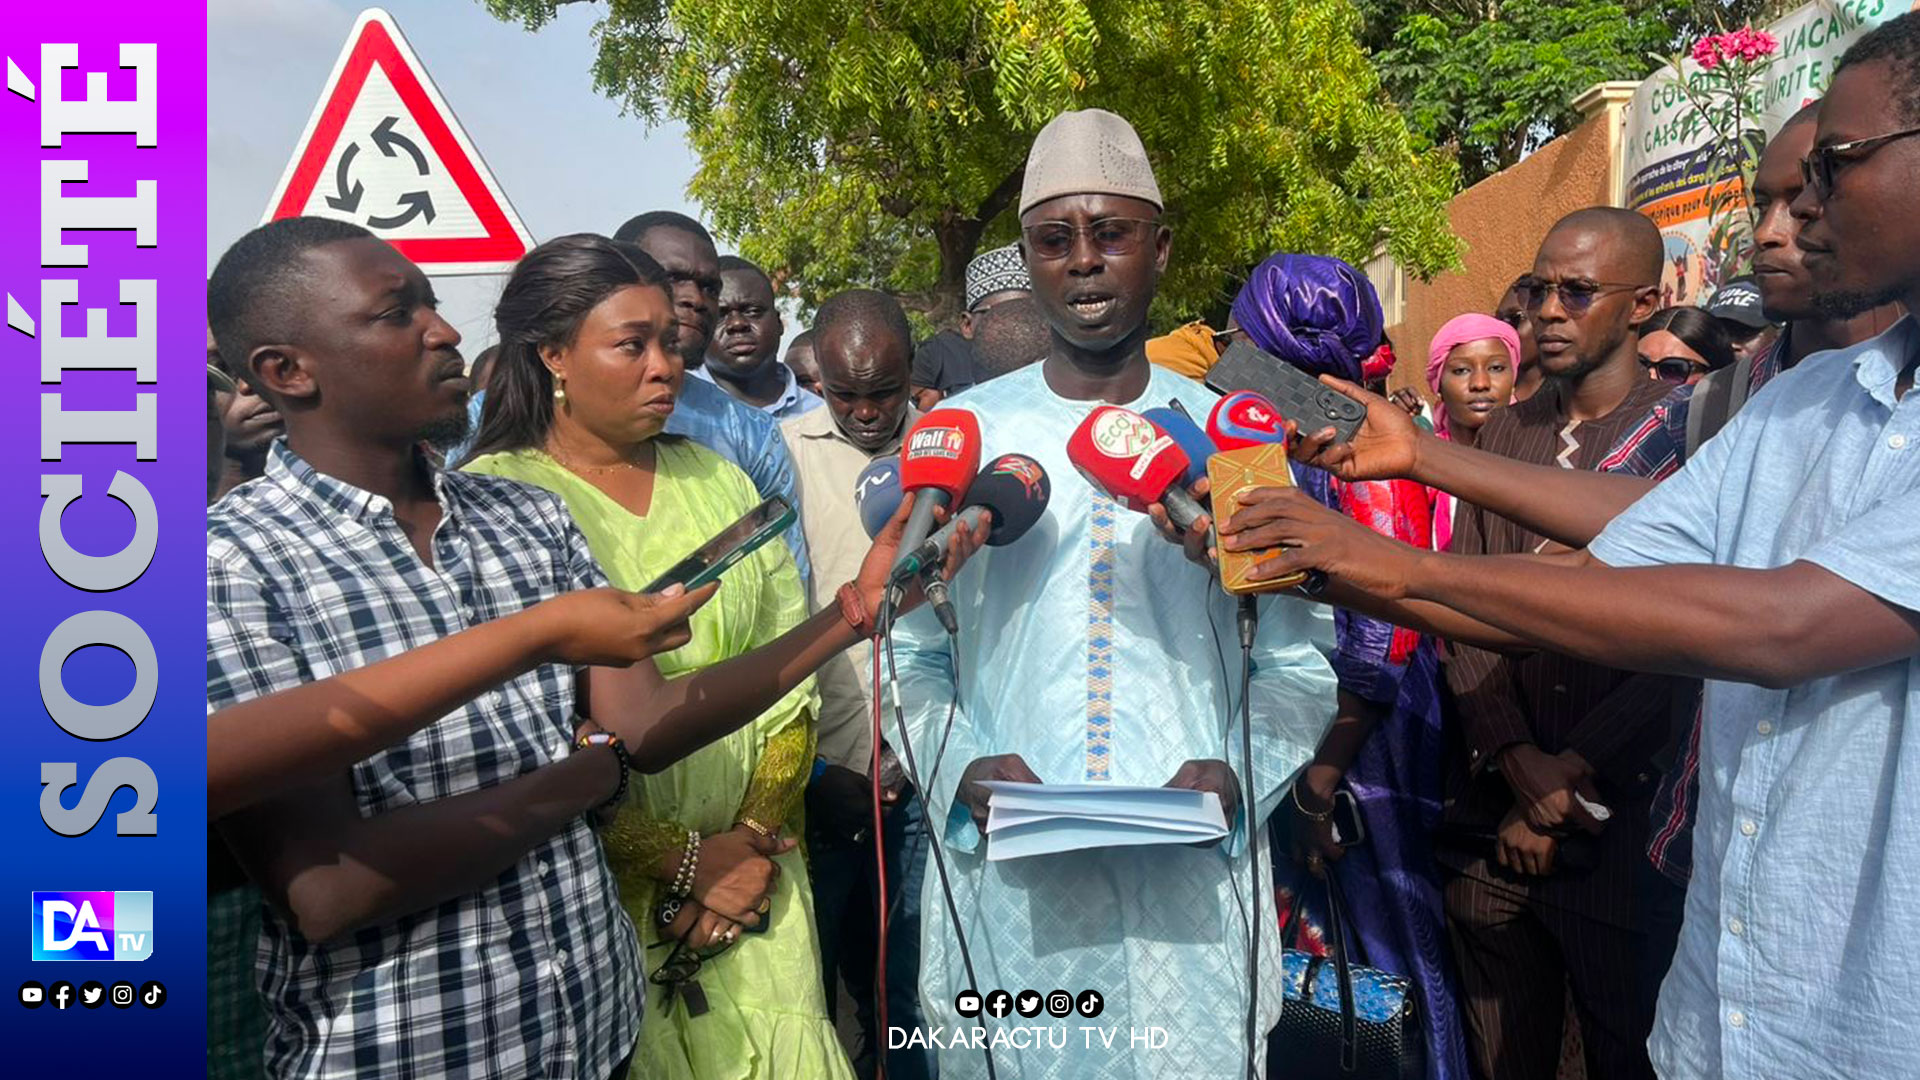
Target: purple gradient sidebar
[[128, 273]]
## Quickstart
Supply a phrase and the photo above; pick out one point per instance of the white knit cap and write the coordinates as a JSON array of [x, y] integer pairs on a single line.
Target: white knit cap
[[1089, 152]]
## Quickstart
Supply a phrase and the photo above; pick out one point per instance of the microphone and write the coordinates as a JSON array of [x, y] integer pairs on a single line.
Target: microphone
[[1245, 419], [1187, 435], [877, 493], [1242, 423], [937, 463], [1010, 494], [1135, 462]]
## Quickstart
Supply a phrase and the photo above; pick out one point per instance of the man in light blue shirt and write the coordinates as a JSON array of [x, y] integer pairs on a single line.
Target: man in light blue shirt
[[705, 413], [1783, 565], [744, 356], [1089, 652]]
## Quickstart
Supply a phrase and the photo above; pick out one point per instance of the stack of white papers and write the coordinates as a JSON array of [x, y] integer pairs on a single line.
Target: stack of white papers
[[1044, 819]]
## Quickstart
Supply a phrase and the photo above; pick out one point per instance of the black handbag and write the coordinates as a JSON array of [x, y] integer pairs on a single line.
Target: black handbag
[[1340, 1021]]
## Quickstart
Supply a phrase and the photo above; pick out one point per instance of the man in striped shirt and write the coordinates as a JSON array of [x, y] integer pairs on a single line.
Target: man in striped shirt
[[1548, 737]]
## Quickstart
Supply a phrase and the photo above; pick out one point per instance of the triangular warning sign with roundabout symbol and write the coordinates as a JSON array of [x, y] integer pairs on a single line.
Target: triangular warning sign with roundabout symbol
[[382, 150]]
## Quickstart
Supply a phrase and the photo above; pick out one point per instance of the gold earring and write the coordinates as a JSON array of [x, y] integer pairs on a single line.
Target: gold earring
[[559, 388]]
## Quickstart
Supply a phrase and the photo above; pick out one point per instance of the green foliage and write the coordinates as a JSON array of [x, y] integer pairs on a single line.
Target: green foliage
[[1495, 83], [881, 142]]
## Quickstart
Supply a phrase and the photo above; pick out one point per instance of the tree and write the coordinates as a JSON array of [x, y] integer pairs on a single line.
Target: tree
[[1496, 79], [882, 142]]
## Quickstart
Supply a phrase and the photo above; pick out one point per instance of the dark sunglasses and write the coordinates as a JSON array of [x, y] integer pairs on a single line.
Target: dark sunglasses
[[1112, 236], [1575, 296], [1817, 168], [1673, 369], [1511, 318]]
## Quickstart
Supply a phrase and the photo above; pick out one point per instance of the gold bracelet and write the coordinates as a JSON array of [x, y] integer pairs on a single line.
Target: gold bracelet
[[757, 827], [1294, 793]]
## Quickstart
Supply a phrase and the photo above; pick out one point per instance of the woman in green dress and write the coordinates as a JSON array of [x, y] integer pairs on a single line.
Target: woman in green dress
[[585, 382]]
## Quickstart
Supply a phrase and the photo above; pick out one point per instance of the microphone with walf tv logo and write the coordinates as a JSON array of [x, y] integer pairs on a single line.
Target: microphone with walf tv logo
[[938, 459]]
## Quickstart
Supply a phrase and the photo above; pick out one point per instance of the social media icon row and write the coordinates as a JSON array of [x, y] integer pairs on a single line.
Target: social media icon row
[[1028, 1003], [92, 995]]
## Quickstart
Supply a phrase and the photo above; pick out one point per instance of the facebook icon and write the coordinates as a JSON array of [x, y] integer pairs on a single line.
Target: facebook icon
[[92, 925]]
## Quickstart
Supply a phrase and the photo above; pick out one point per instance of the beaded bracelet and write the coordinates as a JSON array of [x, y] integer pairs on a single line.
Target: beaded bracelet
[[611, 741], [689, 861]]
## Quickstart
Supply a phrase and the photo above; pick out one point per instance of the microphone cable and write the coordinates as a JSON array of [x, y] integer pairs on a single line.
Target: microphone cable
[[880, 874], [884, 625], [1249, 621]]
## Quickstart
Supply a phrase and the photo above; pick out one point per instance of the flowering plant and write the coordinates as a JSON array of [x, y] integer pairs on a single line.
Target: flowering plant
[[1725, 93], [1744, 45]]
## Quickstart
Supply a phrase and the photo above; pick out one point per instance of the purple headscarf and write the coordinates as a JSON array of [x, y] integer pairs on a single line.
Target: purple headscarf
[[1313, 311]]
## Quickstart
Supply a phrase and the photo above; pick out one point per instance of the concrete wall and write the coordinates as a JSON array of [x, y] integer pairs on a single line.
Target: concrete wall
[[1501, 221]]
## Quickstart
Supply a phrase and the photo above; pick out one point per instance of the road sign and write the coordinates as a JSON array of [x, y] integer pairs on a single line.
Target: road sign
[[382, 150]]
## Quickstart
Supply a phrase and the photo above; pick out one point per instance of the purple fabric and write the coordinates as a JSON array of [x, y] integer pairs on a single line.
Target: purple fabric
[[1391, 883], [1315, 312]]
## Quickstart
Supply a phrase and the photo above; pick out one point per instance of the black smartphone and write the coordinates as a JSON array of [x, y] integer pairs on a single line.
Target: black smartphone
[[1303, 399], [1348, 828], [735, 542]]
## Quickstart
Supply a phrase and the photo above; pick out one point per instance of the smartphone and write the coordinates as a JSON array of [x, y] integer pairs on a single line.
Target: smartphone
[[1230, 475], [1348, 828], [735, 542], [1303, 399]]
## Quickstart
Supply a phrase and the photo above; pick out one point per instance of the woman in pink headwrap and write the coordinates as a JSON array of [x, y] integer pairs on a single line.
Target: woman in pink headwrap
[[1471, 364]]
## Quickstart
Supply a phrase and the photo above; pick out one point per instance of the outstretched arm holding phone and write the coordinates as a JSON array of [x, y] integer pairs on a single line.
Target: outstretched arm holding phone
[[1570, 506], [262, 746], [265, 745]]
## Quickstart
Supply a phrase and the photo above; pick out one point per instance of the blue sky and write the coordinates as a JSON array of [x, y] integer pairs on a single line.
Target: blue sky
[[567, 159]]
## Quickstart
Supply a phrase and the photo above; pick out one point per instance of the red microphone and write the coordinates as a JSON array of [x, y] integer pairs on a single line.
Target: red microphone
[[1240, 424], [1134, 461], [938, 460], [1245, 419]]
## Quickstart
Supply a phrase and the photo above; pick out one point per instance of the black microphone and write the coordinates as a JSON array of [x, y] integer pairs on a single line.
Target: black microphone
[[1010, 494]]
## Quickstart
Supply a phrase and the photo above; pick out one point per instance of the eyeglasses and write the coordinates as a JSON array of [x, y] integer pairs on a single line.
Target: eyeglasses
[[683, 963], [1112, 236], [1575, 296], [1511, 318], [1673, 369], [1818, 167]]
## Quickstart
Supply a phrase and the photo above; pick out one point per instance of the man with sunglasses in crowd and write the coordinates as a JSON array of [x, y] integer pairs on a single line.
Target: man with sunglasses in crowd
[[1786, 561], [1542, 889]]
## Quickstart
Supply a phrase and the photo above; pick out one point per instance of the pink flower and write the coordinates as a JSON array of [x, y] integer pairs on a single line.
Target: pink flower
[[1758, 44], [1746, 45]]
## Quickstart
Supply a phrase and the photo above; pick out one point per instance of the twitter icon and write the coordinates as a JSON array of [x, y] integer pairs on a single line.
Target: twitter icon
[[92, 995], [1028, 1003]]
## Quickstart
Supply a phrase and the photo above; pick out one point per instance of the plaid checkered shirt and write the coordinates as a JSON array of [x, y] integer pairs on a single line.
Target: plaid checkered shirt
[[538, 973], [1655, 450]]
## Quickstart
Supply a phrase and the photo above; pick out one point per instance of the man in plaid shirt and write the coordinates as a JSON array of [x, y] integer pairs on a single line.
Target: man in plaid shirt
[[445, 909], [441, 908]]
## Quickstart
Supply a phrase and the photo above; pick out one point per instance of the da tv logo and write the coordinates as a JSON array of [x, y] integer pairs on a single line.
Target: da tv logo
[[92, 925]]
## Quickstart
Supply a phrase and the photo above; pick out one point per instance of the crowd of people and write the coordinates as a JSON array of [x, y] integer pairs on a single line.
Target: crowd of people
[[1588, 735]]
